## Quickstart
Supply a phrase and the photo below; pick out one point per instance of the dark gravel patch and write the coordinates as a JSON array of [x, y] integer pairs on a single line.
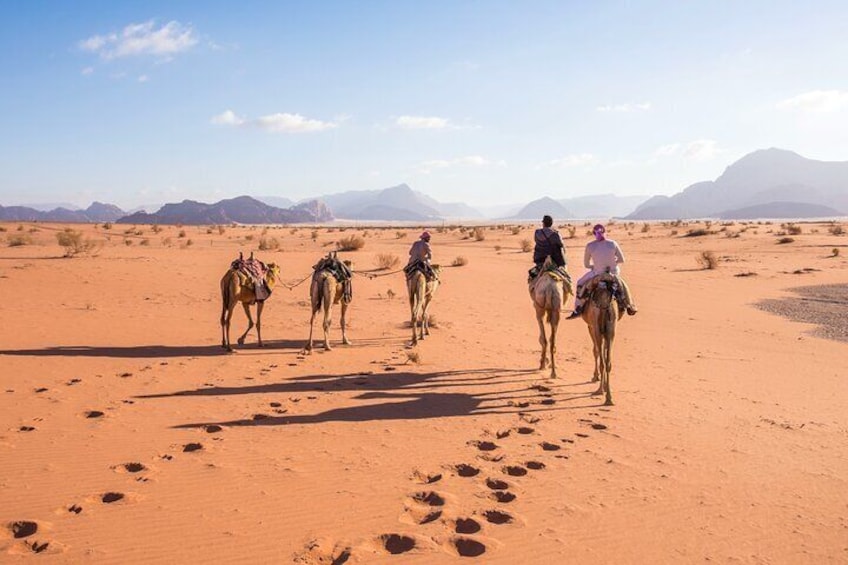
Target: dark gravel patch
[[825, 305]]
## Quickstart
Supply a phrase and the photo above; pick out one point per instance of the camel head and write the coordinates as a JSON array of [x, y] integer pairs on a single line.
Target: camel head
[[273, 274], [437, 269]]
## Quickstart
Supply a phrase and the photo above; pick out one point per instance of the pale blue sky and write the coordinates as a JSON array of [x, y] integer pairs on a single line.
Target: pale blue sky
[[484, 102]]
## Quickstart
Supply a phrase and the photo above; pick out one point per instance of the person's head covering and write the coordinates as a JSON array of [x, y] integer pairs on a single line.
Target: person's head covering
[[547, 221], [599, 230], [425, 236]]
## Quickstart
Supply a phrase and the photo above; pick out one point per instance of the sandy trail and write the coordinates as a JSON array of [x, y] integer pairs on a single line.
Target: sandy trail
[[727, 440]]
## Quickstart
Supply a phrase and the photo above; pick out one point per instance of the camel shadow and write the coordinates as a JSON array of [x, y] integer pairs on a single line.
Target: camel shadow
[[144, 351]]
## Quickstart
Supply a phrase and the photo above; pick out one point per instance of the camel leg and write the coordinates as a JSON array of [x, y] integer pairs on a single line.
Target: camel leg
[[610, 337], [308, 347], [345, 340], [597, 353], [249, 323], [412, 315], [327, 318], [554, 324], [226, 318], [425, 318], [540, 314], [259, 306]]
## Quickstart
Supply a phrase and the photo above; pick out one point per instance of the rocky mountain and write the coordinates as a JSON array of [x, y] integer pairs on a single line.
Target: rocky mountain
[[768, 176], [538, 208], [397, 203], [242, 210], [97, 212]]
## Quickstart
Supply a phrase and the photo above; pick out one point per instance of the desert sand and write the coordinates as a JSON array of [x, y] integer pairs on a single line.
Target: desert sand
[[127, 434]]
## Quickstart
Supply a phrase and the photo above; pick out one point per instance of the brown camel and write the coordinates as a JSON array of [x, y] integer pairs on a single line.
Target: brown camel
[[324, 292], [421, 293], [548, 291], [234, 289], [601, 313]]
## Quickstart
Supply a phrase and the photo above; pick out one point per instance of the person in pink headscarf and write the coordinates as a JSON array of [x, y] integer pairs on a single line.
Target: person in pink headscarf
[[602, 255], [420, 254]]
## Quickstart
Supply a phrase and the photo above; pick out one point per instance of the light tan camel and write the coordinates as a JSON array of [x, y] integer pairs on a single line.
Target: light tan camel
[[421, 293], [601, 312], [324, 292], [234, 289], [548, 291]]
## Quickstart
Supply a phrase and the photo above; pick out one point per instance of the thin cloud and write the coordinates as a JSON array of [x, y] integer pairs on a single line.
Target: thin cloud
[[142, 39], [87, 71], [698, 150], [628, 107], [818, 101], [281, 122], [574, 160], [428, 167], [424, 122]]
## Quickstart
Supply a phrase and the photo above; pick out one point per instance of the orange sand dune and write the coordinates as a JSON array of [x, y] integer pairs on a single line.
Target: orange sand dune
[[127, 435]]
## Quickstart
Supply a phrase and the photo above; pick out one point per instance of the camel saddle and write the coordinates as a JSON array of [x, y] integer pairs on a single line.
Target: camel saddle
[[422, 267], [340, 271], [251, 273]]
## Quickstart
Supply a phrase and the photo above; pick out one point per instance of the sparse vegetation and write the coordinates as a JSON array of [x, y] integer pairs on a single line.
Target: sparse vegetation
[[107, 226], [646, 228], [189, 242], [793, 229], [835, 252], [386, 261], [700, 232], [268, 244], [19, 240], [460, 261], [784, 240], [314, 235], [572, 232], [413, 357], [156, 228], [350, 243], [516, 230], [836, 229], [400, 234], [181, 234], [526, 246], [478, 234], [707, 260], [144, 242]]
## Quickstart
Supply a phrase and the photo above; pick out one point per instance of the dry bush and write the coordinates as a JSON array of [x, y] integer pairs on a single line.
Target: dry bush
[[107, 226], [189, 243], [646, 228], [268, 244], [784, 240], [498, 248], [834, 252], [248, 237], [526, 246], [697, 233], [144, 242], [350, 243], [400, 234], [673, 232], [460, 261], [167, 242], [156, 228], [516, 230], [413, 357], [477, 234], [128, 242], [390, 294], [836, 229], [221, 230], [572, 232], [209, 231], [386, 261], [19, 240], [707, 260], [792, 229], [2, 229], [181, 234]]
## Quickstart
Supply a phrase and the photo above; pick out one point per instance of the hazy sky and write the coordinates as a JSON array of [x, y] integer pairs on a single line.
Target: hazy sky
[[485, 102]]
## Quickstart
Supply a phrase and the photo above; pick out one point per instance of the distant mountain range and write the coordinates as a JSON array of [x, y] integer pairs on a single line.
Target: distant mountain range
[[242, 210], [97, 212], [770, 183]]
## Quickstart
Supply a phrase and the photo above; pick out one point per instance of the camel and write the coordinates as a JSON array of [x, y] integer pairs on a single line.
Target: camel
[[600, 312], [548, 291], [324, 292], [421, 293], [235, 290]]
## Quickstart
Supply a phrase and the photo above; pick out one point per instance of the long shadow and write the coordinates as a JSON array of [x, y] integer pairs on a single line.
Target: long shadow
[[356, 381]]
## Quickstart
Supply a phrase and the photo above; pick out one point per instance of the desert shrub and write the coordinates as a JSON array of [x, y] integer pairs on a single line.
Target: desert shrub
[[19, 240], [400, 234], [498, 248], [516, 230], [413, 356], [33, 230], [526, 246], [792, 229], [209, 231], [314, 235], [646, 228], [2, 229], [835, 252], [128, 242], [477, 234], [107, 226], [156, 228], [268, 243], [181, 234], [784, 240], [350, 243], [73, 242], [189, 242], [387, 261], [697, 233], [572, 232], [129, 231], [460, 261], [707, 260], [293, 231], [248, 237], [167, 242], [144, 242], [836, 229], [673, 232], [221, 230]]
